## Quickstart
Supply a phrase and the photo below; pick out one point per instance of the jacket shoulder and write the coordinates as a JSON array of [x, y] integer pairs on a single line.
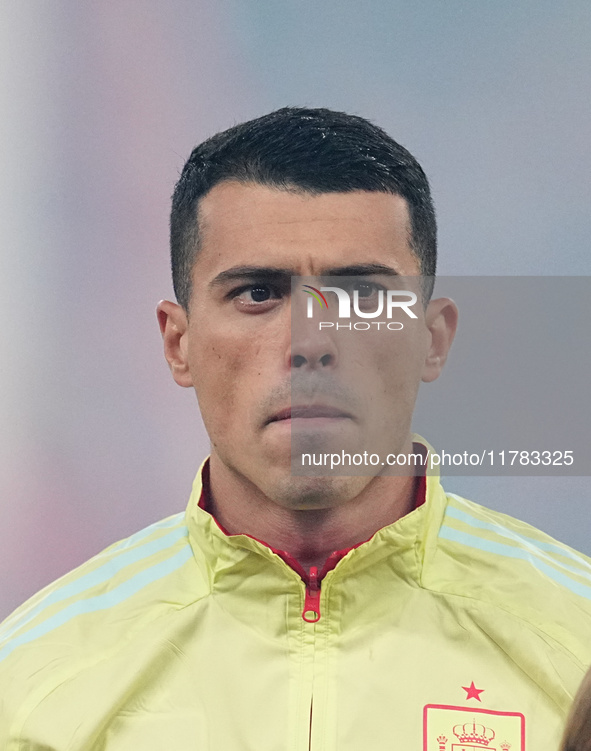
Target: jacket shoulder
[[511, 566], [92, 612]]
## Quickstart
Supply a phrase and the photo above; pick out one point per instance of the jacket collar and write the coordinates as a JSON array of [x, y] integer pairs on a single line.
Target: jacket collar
[[219, 552]]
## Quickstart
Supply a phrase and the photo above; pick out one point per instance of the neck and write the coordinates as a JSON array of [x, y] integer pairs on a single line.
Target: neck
[[310, 535]]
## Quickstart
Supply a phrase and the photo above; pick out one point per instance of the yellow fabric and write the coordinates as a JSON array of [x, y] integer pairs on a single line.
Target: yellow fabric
[[183, 639]]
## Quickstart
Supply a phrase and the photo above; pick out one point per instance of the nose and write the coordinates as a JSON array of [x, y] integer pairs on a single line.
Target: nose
[[312, 343], [312, 349]]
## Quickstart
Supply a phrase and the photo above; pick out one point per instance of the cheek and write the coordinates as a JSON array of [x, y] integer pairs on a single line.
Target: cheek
[[397, 373], [225, 370]]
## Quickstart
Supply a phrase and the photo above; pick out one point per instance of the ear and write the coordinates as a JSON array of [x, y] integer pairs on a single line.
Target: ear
[[442, 319], [173, 323]]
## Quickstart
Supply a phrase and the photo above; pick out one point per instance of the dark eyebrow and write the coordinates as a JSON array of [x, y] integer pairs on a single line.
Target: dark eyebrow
[[253, 273], [281, 275], [361, 269]]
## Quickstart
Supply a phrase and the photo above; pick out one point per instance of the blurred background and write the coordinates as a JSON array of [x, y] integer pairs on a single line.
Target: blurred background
[[100, 104]]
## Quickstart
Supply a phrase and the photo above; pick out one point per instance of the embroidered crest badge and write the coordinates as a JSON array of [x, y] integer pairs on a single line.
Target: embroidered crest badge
[[448, 728]]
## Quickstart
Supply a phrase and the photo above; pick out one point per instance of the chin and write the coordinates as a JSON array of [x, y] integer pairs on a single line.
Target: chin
[[309, 493]]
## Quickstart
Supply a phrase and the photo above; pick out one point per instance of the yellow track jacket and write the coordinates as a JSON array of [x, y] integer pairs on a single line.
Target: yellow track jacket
[[455, 628]]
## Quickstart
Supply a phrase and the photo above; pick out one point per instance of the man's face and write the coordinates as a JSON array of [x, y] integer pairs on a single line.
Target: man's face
[[241, 353]]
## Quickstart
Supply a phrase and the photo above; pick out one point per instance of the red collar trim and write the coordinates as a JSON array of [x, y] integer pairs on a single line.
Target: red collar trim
[[333, 558]]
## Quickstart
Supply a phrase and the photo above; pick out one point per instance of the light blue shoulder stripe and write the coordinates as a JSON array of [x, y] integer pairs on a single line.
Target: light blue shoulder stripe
[[98, 576], [529, 542], [138, 536], [101, 602], [508, 551], [109, 552]]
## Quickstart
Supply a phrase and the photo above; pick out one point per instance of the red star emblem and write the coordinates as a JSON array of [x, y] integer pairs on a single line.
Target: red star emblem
[[472, 692]]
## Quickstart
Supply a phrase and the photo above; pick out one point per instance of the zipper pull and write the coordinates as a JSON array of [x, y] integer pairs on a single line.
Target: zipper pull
[[311, 613]]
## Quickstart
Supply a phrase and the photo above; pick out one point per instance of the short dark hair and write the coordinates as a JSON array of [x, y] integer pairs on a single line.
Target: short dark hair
[[312, 150]]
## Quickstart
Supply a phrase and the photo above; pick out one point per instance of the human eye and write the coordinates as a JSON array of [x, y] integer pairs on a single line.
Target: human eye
[[365, 293], [366, 289], [257, 297]]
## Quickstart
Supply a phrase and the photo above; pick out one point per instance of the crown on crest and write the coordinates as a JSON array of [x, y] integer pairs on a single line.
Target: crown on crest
[[473, 733]]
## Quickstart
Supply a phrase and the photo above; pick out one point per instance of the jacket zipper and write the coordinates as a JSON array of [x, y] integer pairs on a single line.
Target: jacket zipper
[[311, 612]]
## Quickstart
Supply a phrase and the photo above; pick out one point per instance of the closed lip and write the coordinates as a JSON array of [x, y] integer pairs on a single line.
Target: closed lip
[[308, 411]]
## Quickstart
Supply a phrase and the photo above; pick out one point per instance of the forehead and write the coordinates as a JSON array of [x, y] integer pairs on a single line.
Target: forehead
[[244, 223]]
